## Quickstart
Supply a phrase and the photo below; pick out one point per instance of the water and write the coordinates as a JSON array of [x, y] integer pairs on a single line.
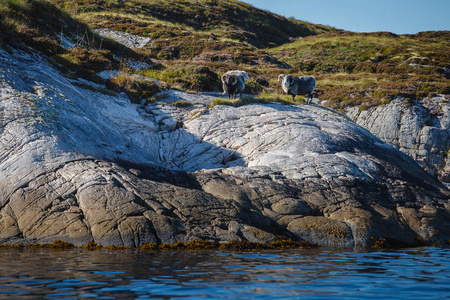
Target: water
[[295, 274]]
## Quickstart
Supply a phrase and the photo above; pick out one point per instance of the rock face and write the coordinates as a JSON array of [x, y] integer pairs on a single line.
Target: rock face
[[420, 129], [79, 165], [127, 39]]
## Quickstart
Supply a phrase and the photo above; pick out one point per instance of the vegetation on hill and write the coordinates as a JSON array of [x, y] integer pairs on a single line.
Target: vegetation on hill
[[225, 19], [372, 68], [194, 41]]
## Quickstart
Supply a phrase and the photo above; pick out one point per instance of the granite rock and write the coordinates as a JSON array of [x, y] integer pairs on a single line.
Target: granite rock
[[420, 129]]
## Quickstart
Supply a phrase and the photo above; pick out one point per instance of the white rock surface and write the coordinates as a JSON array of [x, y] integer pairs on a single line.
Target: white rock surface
[[420, 129], [127, 39]]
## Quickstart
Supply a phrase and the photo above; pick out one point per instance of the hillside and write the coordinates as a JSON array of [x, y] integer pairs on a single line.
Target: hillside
[[351, 69], [227, 20], [372, 68], [192, 42]]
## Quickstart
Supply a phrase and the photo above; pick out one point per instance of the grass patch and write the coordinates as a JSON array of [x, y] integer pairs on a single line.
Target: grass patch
[[181, 104], [187, 77], [263, 98], [136, 87]]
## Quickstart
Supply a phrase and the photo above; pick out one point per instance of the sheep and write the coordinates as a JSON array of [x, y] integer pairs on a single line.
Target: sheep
[[298, 85], [233, 83]]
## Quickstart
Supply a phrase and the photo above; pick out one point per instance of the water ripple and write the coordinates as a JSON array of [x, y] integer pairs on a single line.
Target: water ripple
[[295, 274]]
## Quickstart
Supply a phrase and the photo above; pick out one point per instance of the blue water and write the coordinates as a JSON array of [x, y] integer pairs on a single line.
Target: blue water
[[422, 273]]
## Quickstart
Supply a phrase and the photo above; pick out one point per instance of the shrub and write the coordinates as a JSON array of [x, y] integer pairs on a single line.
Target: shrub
[[252, 87], [181, 103]]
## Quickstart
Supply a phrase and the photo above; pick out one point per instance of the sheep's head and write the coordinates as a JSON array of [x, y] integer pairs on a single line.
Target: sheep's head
[[233, 80], [289, 80], [286, 80], [229, 79]]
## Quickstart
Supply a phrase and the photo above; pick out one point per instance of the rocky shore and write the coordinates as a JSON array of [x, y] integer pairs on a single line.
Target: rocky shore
[[80, 165]]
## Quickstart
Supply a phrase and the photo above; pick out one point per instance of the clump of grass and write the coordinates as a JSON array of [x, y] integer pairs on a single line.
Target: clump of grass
[[263, 98], [271, 97], [136, 87], [235, 102], [187, 77], [95, 60], [252, 87], [181, 104], [81, 62]]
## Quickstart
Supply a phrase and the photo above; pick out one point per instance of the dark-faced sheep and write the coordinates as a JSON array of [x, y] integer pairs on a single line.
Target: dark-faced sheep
[[233, 83], [302, 85]]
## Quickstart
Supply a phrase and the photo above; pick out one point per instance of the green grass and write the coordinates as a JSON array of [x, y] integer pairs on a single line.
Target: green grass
[[263, 98], [186, 76], [135, 87]]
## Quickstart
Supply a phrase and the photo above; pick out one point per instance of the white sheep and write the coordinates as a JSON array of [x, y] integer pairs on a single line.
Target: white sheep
[[233, 83], [302, 85]]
